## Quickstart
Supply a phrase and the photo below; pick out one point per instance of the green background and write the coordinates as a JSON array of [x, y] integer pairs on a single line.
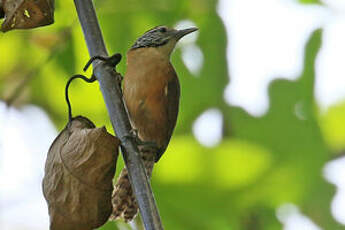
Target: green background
[[261, 162]]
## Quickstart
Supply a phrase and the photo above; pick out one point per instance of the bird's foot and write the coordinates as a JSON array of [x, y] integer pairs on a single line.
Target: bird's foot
[[148, 146], [145, 146], [134, 133]]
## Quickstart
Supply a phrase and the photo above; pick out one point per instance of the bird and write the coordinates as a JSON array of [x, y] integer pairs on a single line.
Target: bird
[[151, 93]]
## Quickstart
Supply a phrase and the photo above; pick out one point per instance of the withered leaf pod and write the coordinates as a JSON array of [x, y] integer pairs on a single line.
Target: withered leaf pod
[[78, 177], [26, 14]]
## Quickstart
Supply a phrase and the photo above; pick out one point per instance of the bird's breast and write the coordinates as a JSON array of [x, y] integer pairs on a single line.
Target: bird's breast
[[145, 90], [147, 72]]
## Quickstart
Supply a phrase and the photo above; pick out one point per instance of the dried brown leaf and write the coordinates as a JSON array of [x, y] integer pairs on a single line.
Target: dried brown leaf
[[26, 14], [78, 176]]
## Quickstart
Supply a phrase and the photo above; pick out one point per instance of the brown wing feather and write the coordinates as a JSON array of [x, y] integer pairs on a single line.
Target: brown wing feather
[[173, 99]]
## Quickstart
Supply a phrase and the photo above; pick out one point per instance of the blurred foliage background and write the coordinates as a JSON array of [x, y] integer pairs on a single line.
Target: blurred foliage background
[[260, 163]]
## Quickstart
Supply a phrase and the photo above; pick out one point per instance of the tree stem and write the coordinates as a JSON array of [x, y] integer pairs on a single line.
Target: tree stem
[[112, 94]]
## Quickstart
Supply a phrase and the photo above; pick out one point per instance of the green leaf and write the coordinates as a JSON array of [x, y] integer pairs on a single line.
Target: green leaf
[[310, 1], [333, 127]]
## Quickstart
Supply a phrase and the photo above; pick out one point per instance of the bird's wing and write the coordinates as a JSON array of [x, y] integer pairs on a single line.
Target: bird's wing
[[173, 99]]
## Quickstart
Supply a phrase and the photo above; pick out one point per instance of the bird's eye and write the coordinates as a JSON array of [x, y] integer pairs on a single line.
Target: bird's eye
[[163, 29]]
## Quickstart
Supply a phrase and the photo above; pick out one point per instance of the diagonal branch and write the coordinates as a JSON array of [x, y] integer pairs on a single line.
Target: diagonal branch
[[112, 95]]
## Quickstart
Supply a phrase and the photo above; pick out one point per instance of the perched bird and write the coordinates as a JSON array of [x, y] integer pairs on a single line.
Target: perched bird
[[151, 92]]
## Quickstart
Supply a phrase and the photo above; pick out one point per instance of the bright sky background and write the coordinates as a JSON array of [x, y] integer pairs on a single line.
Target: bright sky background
[[269, 36], [281, 29], [25, 137]]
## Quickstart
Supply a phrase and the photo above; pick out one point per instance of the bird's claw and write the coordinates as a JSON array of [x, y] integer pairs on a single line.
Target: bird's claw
[[142, 145], [134, 132]]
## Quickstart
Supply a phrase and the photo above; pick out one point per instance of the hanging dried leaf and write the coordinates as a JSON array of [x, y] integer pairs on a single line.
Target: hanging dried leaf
[[26, 14], [78, 177]]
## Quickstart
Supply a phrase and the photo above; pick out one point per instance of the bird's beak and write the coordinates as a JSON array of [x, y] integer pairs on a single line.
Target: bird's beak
[[181, 33]]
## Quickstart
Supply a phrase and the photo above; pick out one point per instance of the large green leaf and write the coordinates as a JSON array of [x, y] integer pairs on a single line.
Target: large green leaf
[[291, 131]]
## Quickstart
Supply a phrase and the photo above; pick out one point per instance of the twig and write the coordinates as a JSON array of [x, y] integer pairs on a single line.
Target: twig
[[88, 80], [108, 80]]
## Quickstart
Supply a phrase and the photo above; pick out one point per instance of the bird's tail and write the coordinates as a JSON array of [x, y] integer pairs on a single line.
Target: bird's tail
[[124, 202]]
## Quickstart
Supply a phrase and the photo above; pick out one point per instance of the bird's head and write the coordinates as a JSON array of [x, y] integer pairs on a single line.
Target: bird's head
[[162, 38]]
